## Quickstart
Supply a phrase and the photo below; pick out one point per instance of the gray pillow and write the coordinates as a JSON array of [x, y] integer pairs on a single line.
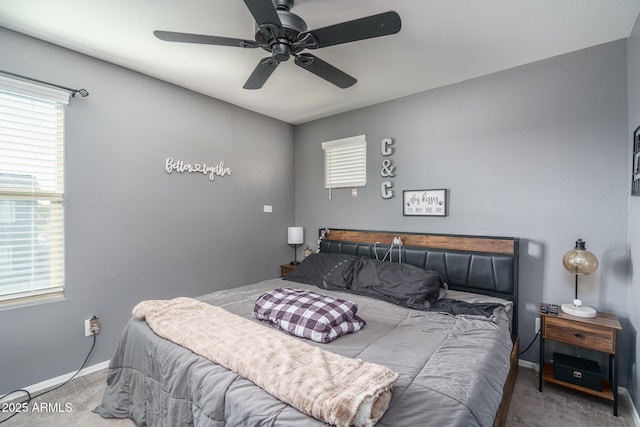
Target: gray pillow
[[326, 271], [401, 284]]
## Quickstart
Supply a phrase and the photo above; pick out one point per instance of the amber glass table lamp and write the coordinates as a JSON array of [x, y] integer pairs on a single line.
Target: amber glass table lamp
[[579, 261]]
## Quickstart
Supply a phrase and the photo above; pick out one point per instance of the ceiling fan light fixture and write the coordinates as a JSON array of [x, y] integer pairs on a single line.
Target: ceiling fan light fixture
[[280, 52]]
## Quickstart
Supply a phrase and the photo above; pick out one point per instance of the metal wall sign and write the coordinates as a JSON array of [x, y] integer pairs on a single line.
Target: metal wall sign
[[212, 172], [388, 169]]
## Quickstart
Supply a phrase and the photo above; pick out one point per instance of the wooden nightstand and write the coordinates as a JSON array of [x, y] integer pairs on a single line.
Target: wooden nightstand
[[598, 333], [287, 268]]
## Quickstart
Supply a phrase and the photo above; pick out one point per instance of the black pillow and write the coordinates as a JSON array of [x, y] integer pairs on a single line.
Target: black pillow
[[326, 271], [401, 284]]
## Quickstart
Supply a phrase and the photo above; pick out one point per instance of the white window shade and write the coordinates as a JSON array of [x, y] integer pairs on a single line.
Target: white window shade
[[345, 162], [33, 90], [31, 190]]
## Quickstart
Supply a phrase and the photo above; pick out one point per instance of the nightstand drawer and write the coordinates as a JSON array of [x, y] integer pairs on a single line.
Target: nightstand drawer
[[581, 334]]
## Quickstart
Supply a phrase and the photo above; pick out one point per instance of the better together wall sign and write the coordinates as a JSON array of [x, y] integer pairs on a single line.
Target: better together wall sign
[[212, 172]]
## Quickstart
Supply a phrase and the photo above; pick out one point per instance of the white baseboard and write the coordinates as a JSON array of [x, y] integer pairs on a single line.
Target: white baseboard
[[527, 364], [622, 392], [53, 382]]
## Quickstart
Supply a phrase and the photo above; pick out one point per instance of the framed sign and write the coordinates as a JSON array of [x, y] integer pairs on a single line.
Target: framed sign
[[424, 202]]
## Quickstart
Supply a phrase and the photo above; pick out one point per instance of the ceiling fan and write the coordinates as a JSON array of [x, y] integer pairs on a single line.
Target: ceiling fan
[[284, 34]]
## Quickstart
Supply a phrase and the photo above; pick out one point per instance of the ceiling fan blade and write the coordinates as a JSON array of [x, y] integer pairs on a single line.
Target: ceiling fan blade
[[369, 27], [171, 36], [261, 73], [264, 12], [324, 70]]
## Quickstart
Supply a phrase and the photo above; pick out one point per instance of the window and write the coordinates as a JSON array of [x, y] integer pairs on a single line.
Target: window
[[31, 189], [345, 163]]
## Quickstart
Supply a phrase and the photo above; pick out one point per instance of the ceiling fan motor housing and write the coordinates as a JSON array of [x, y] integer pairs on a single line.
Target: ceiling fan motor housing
[[281, 41]]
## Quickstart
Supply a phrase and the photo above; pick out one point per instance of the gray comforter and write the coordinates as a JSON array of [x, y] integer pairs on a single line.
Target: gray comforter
[[452, 369]]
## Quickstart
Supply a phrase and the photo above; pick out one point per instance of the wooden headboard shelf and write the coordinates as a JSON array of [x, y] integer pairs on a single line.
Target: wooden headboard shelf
[[499, 245]]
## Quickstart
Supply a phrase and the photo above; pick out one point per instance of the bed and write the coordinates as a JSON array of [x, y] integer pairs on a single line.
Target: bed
[[454, 370]]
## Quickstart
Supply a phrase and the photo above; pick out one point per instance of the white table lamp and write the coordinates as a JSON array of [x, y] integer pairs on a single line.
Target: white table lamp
[[295, 237]]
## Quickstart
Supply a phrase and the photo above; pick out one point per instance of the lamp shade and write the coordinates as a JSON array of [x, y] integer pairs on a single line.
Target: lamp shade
[[580, 260], [295, 235]]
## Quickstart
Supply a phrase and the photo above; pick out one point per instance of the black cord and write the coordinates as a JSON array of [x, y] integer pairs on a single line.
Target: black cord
[[30, 398], [12, 392], [530, 344]]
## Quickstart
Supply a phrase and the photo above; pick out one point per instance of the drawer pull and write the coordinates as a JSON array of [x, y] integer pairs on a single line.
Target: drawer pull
[[577, 333]]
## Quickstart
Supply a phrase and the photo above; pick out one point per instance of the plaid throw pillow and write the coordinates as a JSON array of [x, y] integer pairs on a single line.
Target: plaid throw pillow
[[306, 314]]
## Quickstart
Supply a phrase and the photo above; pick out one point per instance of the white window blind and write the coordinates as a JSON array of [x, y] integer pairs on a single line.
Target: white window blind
[[31, 189], [345, 162]]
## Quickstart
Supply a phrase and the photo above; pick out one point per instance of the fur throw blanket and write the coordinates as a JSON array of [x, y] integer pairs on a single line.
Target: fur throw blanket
[[332, 388]]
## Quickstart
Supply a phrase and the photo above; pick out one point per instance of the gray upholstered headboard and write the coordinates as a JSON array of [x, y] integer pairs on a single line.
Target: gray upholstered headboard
[[480, 264]]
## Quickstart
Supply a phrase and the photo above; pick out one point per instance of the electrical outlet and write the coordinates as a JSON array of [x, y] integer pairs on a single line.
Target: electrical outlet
[[91, 326], [537, 325]]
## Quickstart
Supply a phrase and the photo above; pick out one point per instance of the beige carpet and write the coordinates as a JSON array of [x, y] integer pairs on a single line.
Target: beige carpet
[[561, 407], [80, 396], [555, 406]]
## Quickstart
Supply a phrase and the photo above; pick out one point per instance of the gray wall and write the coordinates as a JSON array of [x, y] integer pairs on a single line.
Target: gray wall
[[134, 232], [513, 148], [539, 152], [634, 212]]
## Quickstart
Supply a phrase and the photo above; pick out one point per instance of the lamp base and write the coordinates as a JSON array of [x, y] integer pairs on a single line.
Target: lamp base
[[580, 311]]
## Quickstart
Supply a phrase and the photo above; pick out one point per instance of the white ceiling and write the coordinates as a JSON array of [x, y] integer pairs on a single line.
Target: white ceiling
[[441, 42]]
